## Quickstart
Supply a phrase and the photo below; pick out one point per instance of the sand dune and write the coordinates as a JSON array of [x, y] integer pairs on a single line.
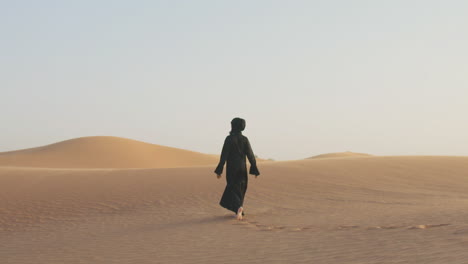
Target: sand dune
[[346, 154], [104, 152], [364, 210]]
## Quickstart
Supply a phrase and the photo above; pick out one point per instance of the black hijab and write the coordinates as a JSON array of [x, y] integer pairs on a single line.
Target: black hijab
[[237, 126]]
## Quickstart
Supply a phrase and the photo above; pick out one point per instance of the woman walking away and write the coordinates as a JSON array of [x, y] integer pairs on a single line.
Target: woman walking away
[[236, 147]]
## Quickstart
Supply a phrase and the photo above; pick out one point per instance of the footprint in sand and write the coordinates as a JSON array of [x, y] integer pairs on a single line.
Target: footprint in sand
[[262, 227], [386, 227], [427, 226], [408, 227], [348, 227], [295, 229]]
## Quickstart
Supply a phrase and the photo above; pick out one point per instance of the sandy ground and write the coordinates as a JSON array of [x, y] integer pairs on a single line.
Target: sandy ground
[[330, 210]]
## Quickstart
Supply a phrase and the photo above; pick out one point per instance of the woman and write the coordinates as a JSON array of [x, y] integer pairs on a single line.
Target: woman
[[236, 147]]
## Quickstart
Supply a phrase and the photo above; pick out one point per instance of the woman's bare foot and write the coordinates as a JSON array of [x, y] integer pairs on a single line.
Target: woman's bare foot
[[239, 213]]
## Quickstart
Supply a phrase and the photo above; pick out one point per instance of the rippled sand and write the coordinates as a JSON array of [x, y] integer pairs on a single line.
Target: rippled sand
[[329, 210]]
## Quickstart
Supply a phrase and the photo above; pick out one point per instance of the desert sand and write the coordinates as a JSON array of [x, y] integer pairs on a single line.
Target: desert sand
[[65, 203], [104, 152]]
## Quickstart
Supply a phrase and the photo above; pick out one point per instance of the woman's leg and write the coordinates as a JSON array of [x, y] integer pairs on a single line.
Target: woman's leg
[[239, 213]]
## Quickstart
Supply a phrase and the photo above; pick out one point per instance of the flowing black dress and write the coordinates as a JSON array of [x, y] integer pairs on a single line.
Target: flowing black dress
[[235, 149]]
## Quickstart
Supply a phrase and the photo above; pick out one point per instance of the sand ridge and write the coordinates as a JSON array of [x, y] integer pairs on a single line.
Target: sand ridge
[[104, 152], [346, 154]]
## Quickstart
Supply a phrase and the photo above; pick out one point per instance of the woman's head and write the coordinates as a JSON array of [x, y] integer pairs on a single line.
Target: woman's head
[[237, 125]]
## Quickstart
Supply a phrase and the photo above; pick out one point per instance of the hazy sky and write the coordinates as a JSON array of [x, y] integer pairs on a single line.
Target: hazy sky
[[310, 77]]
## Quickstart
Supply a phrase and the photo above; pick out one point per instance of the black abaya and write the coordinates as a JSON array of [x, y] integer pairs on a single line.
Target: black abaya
[[235, 149]]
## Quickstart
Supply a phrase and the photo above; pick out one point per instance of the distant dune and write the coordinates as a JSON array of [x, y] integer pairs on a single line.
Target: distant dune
[[105, 152], [346, 154]]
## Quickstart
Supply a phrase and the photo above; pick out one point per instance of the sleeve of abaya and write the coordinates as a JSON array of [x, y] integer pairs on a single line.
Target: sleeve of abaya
[[224, 156], [253, 162]]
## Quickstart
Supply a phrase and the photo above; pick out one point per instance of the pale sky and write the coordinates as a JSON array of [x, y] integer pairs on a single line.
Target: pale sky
[[310, 77]]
